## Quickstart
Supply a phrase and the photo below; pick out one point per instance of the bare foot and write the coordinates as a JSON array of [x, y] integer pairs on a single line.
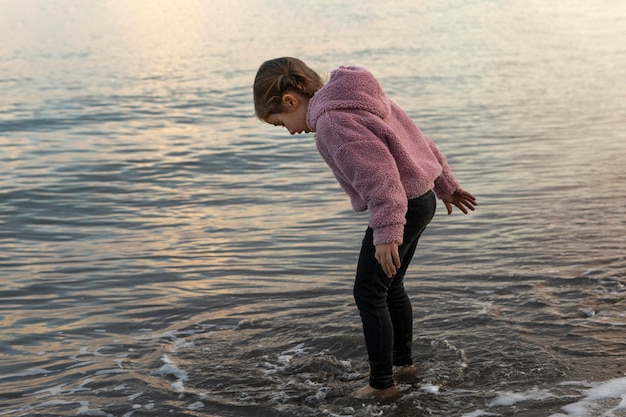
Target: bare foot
[[368, 392], [405, 371]]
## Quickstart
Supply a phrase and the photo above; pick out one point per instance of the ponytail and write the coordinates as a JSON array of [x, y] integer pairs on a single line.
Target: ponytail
[[279, 76]]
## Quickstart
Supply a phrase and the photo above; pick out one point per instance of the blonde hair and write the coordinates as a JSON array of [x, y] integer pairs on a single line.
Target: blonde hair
[[279, 76]]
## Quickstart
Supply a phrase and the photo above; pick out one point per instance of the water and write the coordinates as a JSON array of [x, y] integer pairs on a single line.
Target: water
[[164, 253]]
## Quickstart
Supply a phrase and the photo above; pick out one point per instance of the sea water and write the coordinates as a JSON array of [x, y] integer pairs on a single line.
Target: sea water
[[162, 252]]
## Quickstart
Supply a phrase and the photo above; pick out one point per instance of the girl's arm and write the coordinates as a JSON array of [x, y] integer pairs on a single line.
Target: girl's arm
[[447, 187], [445, 184]]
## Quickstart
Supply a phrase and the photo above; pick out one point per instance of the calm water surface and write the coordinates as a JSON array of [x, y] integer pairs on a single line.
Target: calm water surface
[[164, 253]]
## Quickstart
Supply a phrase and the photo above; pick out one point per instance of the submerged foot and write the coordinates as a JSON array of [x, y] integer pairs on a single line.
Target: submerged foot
[[368, 392], [405, 371]]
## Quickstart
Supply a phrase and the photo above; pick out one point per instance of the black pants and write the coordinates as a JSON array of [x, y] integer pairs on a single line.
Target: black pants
[[383, 303]]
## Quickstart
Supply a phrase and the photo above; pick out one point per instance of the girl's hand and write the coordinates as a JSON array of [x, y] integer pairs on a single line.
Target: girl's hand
[[461, 199], [388, 257]]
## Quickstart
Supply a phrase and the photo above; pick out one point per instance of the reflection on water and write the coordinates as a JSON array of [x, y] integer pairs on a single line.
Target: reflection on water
[[163, 252]]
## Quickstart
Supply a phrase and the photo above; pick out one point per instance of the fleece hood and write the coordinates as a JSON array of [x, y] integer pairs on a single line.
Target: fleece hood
[[349, 88]]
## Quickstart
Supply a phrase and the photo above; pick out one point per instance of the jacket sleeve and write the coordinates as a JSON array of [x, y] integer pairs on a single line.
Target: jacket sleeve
[[364, 162], [445, 184]]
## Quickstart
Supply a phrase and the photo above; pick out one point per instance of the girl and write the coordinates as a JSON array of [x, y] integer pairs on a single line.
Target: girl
[[385, 165]]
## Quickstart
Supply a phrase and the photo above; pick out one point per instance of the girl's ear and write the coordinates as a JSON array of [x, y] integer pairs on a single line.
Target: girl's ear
[[290, 102]]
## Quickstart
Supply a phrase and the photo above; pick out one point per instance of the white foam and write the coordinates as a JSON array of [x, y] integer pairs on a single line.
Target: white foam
[[606, 399], [196, 406], [587, 312], [429, 388], [169, 368], [320, 395], [595, 399], [84, 410], [84, 350], [284, 359], [480, 413], [54, 402], [111, 371], [28, 372], [199, 328], [133, 397], [81, 364], [510, 398], [58, 390], [181, 344]]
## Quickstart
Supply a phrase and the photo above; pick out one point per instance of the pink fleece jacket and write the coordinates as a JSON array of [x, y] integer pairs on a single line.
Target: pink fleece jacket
[[377, 153]]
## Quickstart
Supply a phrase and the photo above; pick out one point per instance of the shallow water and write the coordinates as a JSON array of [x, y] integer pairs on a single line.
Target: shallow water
[[164, 253]]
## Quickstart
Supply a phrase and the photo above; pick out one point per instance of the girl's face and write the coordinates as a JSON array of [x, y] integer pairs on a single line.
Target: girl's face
[[293, 116]]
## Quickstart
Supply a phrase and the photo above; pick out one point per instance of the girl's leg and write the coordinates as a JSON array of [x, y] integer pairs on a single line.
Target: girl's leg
[[401, 313], [370, 294], [383, 304], [419, 214]]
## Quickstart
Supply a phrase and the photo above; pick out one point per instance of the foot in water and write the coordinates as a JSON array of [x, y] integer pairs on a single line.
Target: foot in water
[[368, 392], [405, 371]]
